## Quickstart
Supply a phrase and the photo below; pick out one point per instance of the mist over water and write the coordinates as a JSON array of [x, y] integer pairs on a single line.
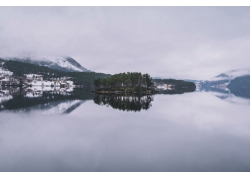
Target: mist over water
[[185, 132]]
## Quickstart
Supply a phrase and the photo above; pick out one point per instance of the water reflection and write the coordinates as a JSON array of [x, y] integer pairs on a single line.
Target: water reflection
[[190, 132], [66, 100], [236, 91], [55, 101], [176, 91], [125, 103], [236, 96]]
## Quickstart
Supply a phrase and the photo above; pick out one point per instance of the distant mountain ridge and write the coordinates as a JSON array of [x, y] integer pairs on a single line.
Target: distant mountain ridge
[[64, 63], [230, 75], [234, 81]]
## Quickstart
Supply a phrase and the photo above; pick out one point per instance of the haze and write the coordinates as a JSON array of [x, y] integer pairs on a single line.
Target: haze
[[168, 42]]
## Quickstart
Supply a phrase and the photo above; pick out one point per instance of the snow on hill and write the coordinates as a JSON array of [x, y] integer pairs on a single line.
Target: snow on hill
[[221, 81], [5, 72], [66, 63], [230, 75]]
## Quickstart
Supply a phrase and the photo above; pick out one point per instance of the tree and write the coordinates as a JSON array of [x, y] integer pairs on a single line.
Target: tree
[[122, 81]]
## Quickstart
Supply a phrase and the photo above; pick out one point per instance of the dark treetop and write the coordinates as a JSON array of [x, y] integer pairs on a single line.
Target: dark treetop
[[130, 82]]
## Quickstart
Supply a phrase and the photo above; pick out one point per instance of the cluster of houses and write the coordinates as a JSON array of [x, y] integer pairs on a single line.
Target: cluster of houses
[[34, 80], [162, 86], [37, 80], [7, 78], [33, 84]]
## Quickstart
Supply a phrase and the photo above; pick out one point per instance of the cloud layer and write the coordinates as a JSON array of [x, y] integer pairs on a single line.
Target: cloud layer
[[170, 42]]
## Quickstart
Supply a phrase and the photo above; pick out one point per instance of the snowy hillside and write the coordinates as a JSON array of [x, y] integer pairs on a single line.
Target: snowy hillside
[[222, 81], [67, 64], [230, 75], [4, 71], [62, 63]]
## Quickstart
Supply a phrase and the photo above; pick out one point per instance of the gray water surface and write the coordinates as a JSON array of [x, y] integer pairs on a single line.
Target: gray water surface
[[189, 132]]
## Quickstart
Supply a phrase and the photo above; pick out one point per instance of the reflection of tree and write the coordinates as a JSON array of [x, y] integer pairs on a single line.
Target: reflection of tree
[[21, 101], [125, 103], [176, 91]]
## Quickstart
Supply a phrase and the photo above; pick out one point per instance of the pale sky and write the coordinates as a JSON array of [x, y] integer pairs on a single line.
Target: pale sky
[[167, 42]]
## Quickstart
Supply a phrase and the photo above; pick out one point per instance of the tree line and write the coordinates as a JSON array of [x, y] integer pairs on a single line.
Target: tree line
[[131, 80]]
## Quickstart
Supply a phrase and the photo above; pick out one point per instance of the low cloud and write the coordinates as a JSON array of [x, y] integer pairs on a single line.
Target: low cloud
[[177, 42]]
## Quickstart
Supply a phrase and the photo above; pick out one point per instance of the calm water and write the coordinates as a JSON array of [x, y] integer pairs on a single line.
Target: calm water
[[199, 131]]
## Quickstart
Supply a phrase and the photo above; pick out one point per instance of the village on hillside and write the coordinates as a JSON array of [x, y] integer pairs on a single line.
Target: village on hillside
[[32, 85], [8, 79]]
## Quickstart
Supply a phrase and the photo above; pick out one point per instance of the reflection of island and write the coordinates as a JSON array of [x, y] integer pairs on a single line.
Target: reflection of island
[[175, 91], [125, 103], [49, 101], [231, 98]]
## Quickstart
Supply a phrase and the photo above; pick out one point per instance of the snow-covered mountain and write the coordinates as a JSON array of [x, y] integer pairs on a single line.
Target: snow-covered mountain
[[64, 63], [230, 75], [222, 81]]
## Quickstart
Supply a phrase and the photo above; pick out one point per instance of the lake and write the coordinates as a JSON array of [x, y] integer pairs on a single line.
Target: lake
[[198, 131]]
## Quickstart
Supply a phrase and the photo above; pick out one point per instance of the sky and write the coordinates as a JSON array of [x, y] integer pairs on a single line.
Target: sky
[[168, 42]]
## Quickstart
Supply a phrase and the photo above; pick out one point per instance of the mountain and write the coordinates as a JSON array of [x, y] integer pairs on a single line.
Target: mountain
[[234, 81], [67, 64], [240, 86], [221, 81], [230, 75], [19, 68]]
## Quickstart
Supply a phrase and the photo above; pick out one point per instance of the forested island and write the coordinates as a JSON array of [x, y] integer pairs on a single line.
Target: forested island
[[138, 83], [125, 83]]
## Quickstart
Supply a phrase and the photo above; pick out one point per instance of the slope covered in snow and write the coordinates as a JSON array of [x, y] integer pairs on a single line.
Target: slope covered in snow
[[4, 71], [62, 63], [67, 64], [227, 81], [230, 75]]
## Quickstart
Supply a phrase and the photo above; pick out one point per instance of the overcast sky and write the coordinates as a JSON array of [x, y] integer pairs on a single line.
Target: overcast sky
[[168, 42]]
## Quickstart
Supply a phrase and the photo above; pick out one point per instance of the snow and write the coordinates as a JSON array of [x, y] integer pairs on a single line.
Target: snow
[[30, 76], [57, 84], [37, 83], [5, 98], [230, 75], [163, 87], [41, 88], [5, 72], [62, 107], [70, 82], [5, 79], [48, 83], [42, 83], [34, 94], [70, 89], [61, 61]]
